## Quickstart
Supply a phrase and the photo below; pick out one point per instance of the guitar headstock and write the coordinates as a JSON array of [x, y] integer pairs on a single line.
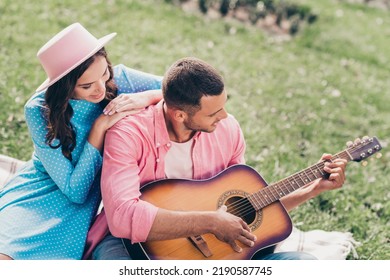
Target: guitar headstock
[[364, 148]]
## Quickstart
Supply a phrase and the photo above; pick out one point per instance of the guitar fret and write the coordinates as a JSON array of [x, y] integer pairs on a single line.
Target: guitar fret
[[302, 180], [315, 174], [308, 179], [319, 169], [283, 187], [342, 155], [267, 197], [258, 202], [281, 192], [263, 199], [251, 199], [345, 155], [296, 186], [272, 191], [286, 186]]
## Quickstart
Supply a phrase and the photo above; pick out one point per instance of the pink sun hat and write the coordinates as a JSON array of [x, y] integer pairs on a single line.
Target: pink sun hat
[[67, 50]]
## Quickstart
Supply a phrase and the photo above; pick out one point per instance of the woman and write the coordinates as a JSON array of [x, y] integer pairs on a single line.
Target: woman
[[47, 208]]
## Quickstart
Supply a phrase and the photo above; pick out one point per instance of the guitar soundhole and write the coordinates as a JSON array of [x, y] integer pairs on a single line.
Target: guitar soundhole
[[237, 204], [242, 208]]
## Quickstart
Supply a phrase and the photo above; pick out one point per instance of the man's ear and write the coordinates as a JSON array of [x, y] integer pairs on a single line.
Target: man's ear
[[179, 115]]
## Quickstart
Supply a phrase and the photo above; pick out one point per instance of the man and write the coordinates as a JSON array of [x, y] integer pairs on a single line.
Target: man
[[190, 135]]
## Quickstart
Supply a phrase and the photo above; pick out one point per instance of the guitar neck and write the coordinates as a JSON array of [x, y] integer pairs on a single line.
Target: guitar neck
[[285, 186]]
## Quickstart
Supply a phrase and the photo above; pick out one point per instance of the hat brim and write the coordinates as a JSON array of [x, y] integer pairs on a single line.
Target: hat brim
[[101, 43]]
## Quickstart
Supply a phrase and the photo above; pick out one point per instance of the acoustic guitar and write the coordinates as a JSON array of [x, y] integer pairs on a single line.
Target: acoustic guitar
[[246, 194]]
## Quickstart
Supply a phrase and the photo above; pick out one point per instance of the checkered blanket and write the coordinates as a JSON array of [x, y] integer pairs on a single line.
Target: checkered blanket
[[325, 245], [8, 167]]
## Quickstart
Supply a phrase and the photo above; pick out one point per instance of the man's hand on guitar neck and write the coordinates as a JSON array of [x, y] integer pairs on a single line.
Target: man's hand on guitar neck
[[335, 169], [334, 180]]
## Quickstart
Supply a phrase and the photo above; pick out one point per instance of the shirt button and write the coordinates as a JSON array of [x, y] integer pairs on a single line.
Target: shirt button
[[157, 145], [157, 160], [169, 144]]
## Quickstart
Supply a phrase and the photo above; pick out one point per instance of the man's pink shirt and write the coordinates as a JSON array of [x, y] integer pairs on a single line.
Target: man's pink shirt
[[134, 154]]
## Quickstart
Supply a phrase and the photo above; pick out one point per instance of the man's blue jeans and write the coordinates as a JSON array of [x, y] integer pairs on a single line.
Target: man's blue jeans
[[112, 248]]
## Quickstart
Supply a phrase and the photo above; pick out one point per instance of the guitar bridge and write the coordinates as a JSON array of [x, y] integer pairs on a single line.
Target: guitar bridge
[[201, 245]]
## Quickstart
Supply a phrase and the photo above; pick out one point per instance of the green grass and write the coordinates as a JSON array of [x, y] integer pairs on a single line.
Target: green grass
[[295, 100]]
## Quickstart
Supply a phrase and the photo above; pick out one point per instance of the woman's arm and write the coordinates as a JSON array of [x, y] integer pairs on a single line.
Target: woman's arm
[[75, 178], [136, 90], [134, 102], [102, 124]]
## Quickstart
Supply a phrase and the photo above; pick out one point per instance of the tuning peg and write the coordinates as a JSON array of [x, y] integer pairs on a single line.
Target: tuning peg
[[364, 163], [357, 141]]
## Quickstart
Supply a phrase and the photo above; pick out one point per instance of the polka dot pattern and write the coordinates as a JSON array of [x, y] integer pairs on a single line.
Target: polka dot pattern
[[47, 208]]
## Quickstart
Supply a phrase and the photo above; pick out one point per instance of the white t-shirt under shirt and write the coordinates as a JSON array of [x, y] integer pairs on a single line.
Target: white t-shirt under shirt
[[178, 161]]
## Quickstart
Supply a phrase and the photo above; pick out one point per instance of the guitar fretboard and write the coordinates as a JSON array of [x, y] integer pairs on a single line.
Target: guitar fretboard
[[285, 186]]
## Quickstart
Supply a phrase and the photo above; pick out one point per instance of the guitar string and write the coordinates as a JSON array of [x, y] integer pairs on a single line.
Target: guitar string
[[242, 207], [248, 207], [244, 204], [318, 166]]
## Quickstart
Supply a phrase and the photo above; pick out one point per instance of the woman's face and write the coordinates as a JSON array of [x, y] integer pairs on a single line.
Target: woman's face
[[91, 86]]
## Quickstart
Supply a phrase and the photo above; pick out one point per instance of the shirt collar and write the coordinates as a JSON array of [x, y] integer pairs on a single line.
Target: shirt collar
[[161, 137], [161, 132]]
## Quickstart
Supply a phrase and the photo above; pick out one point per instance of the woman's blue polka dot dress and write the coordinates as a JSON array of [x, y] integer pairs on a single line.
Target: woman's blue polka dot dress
[[47, 208]]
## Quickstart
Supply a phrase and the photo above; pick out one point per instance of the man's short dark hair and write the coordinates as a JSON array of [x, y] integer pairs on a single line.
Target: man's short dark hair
[[187, 80]]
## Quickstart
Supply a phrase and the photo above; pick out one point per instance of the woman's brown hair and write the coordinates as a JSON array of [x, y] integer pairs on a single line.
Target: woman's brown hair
[[58, 110]]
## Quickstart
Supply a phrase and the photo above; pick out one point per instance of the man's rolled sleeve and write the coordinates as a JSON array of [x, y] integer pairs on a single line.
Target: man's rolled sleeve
[[127, 215]]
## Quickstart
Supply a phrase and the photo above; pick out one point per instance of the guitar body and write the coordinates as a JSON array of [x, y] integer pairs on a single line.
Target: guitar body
[[242, 190], [271, 224]]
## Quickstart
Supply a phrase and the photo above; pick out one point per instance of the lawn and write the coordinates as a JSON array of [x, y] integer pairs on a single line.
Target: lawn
[[295, 99]]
